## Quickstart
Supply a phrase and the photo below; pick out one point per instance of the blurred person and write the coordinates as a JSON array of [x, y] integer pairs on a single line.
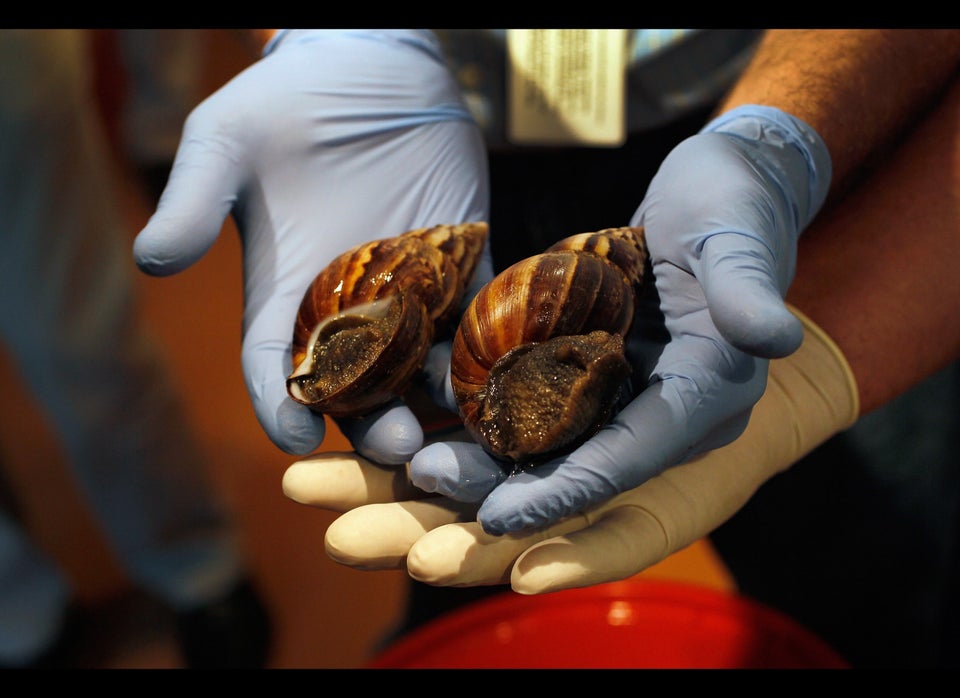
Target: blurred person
[[71, 321], [336, 137], [163, 82]]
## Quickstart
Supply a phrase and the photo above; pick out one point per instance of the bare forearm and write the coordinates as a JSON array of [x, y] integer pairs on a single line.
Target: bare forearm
[[878, 271], [857, 88]]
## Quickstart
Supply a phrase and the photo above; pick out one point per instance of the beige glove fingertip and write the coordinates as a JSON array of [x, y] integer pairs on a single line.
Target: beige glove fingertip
[[620, 540], [545, 568], [343, 481], [380, 536], [446, 556], [352, 538]]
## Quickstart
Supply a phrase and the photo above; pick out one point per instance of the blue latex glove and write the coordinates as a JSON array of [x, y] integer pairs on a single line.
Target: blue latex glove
[[722, 219], [333, 138]]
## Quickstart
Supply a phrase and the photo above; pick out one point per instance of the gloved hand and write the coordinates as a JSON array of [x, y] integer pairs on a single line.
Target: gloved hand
[[722, 219], [810, 396], [332, 139]]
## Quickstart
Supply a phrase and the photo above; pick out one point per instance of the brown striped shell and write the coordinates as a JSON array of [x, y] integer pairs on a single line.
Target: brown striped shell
[[368, 319], [538, 358]]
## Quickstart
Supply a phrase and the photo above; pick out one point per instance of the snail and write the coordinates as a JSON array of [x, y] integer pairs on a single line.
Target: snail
[[538, 357], [367, 321]]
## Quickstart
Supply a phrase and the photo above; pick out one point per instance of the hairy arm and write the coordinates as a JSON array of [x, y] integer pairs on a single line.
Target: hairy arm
[[878, 272], [857, 88], [888, 94]]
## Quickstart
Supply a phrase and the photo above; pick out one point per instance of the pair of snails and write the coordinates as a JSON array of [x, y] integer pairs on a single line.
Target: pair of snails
[[538, 356]]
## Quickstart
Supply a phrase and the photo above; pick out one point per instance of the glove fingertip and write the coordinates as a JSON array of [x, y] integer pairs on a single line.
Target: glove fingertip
[[538, 579], [390, 436], [159, 254], [199, 195], [175, 238], [547, 576], [459, 470], [493, 522], [295, 430], [768, 331]]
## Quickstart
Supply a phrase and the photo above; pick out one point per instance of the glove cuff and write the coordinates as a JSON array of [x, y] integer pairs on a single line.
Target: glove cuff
[[820, 368], [784, 134]]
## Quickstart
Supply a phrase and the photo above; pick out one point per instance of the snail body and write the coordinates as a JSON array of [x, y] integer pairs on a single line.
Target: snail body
[[538, 357], [367, 320]]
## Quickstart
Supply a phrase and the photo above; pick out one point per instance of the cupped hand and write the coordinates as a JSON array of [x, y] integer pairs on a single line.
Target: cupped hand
[[722, 218], [332, 139]]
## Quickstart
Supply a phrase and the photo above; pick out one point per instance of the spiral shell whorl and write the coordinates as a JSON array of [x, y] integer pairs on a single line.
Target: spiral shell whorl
[[376, 309], [625, 247], [580, 285]]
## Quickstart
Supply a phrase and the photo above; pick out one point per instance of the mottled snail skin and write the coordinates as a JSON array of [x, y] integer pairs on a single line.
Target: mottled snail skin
[[368, 319], [538, 358]]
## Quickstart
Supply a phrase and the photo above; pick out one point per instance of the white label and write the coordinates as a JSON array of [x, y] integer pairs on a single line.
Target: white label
[[566, 86]]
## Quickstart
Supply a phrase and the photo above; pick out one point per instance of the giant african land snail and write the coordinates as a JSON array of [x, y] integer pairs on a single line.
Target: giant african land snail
[[538, 357]]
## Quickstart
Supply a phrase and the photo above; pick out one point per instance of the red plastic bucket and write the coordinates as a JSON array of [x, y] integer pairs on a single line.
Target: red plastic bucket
[[632, 625]]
